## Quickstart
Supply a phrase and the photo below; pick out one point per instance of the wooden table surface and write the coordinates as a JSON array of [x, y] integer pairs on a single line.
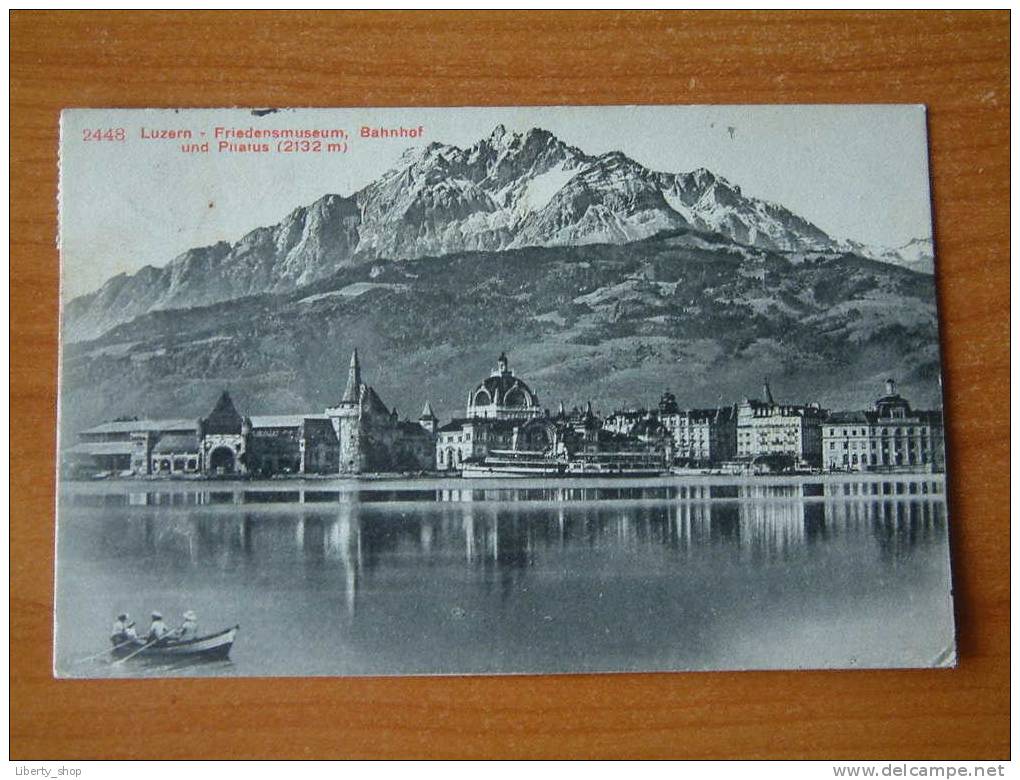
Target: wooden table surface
[[956, 63]]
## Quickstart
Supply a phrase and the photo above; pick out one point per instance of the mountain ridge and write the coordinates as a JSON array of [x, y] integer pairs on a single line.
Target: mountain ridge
[[506, 191]]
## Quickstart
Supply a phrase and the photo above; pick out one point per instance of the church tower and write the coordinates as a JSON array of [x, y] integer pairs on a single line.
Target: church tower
[[428, 420]]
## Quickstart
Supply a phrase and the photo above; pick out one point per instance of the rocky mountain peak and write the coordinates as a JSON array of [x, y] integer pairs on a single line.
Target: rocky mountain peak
[[497, 135], [507, 190]]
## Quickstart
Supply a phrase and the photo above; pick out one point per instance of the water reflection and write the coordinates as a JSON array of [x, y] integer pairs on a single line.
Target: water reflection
[[504, 539], [197, 494], [536, 577]]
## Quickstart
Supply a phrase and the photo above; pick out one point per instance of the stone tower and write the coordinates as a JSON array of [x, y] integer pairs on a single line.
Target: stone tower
[[346, 419]]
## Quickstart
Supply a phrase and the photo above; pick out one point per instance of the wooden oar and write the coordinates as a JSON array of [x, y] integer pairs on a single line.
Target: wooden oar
[[136, 652], [110, 650]]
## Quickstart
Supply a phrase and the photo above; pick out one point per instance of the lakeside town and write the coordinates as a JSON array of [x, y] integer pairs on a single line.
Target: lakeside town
[[505, 431]]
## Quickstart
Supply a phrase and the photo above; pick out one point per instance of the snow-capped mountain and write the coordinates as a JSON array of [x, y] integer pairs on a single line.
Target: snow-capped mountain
[[512, 190], [917, 255], [508, 190]]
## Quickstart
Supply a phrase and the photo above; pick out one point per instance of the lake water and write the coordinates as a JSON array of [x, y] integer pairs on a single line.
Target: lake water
[[469, 576]]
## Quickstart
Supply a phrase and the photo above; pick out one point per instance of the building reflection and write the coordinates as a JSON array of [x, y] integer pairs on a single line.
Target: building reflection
[[198, 495], [501, 535]]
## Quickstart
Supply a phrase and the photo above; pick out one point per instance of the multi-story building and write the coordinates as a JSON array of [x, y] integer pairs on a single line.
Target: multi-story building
[[292, 444], [471, 439], [127, 445], [889, 437], [767, 430], [703, 437]]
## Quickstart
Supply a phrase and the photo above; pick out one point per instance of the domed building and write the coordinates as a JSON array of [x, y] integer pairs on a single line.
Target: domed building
[[502, 396], [496, 407]]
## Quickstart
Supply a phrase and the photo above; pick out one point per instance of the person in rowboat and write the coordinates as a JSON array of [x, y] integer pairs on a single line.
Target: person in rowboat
[[157, 629], [189, 629], [119, 634]]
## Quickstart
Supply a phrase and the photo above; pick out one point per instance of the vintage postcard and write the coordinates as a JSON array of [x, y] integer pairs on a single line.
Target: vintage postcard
[[499, 390]]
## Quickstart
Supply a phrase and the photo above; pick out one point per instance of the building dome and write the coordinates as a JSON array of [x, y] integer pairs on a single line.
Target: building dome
[[892, 404], [503, 396]]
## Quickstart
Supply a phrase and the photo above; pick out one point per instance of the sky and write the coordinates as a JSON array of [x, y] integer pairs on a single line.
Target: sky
[[857, 172]]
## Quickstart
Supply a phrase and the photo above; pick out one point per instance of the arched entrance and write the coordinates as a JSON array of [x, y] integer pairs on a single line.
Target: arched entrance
[[222, 461]]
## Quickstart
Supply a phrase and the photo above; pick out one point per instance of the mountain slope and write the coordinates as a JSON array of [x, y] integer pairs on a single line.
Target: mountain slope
[[509, 190], [696, 313]]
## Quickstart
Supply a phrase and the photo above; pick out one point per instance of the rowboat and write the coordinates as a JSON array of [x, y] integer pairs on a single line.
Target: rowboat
[[212, 647]]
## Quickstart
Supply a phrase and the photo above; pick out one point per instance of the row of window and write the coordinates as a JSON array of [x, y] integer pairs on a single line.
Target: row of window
[[466, 437], [167, 465], [923, 431], [852, 459], [897, 444]]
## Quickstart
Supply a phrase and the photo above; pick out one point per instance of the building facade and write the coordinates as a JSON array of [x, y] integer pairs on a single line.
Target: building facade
[[781, 433], [125, 446], [175, 454], [224, 436], [292, 444], [703, 437], [222, 444], [469, 439], [888, 437]]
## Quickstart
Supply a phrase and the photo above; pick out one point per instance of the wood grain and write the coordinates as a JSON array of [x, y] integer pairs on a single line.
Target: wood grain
[[957, 63]]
